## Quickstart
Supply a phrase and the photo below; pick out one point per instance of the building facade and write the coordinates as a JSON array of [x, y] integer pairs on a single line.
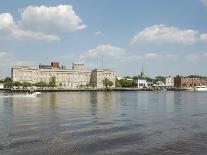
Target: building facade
[[1, 86], [142, 83], [73, 78], [169, 81], [185, 82]]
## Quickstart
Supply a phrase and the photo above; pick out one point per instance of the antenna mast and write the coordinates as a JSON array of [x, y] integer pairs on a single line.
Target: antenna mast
[[102, 61]]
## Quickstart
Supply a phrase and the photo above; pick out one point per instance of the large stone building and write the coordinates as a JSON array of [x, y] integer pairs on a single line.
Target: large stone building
[[73, 78], [186, 82]]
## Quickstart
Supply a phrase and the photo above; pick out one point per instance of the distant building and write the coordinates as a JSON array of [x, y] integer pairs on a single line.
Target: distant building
[[186, 82], [169, 81], [1, 86], [142, 83], [55, 65], [67, 78]]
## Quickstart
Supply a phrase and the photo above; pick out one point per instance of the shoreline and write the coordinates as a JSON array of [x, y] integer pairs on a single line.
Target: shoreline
[[84, 90]]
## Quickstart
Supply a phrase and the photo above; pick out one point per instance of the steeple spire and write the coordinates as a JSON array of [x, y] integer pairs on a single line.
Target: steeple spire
[[142, 72]]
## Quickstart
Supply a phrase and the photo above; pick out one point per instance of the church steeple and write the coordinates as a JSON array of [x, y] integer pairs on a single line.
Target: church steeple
[[142, 72]]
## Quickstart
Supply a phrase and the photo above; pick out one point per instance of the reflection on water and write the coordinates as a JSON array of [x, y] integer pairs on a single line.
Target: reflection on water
[[105, 123]]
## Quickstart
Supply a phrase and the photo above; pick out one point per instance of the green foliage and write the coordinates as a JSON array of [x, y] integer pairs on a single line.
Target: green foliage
[[149, 79], [124, 83], [52, 82], [140, 77], [17, 83], [135, 78], [91, 84], [196, 76], [8, 82], [26, 84], [128, 77], [41, 84], [159, 78], [107, 83]]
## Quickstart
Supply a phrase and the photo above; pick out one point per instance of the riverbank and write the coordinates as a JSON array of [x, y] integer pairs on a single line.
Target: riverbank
[[85, 89]]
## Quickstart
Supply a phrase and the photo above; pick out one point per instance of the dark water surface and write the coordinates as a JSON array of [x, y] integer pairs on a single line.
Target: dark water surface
[[122, 123]]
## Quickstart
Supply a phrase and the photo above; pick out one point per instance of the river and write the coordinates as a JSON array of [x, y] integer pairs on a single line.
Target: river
[[109, 123]]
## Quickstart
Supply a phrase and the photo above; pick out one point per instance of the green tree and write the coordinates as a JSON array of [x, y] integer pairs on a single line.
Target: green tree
[[26, 84], [107, 83], [17, 84], [8, 82], [52, 82], [159, 78], [125, 82], [196, 76], [41, 84], [91, 84], [140, 77], [117, 83]]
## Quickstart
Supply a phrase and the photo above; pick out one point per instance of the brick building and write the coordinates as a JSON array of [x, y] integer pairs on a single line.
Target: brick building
[[186, 82]]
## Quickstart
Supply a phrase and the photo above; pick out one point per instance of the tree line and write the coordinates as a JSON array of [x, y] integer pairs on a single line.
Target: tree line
[[9, 83]]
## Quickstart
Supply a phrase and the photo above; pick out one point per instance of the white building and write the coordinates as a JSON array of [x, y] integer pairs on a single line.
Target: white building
[[1, 86], [159, 84], [66, 78], [169, 81], [142, 83]]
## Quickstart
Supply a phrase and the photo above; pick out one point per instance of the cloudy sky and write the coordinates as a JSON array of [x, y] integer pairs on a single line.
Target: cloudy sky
[[166, 37]]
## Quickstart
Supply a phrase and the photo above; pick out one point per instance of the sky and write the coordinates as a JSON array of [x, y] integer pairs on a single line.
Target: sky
[[165, 37]]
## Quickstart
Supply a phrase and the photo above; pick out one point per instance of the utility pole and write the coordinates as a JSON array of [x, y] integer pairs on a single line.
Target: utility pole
[[102, 61]]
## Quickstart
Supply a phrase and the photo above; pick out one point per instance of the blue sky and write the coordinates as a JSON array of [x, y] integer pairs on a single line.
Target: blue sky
[[166, 37]]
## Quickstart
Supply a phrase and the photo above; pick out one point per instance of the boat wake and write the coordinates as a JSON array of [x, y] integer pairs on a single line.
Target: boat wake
[[20, 95]]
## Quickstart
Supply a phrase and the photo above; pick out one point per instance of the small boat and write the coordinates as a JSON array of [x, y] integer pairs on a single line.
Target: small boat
[[33, 94], [189, 89], [201, 88]]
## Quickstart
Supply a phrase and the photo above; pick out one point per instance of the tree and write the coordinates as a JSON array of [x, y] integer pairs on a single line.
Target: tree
[[91, 84], [124, 82], [8, 82], [196, 76], [26, 84], [41, 84], [52, 82], [159, 78], [140, 77], [107, 83], [117, 84], [17, 83]]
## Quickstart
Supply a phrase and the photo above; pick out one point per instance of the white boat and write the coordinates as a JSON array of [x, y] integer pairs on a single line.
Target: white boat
[[189, 89], [201, 88], [33, 94]]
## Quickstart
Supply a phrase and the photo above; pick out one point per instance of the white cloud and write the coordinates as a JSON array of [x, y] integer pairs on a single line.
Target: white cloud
[[61, 18], [165, 34], [105, 50], [3, 55], [151, 56], [40, 23], [9, 29], [203, 37], [98, 33]]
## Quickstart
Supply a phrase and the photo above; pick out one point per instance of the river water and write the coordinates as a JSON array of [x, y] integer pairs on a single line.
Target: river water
[[119, 123]]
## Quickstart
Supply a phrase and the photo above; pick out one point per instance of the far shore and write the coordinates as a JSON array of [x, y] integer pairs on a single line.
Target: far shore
[[84, 89]]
